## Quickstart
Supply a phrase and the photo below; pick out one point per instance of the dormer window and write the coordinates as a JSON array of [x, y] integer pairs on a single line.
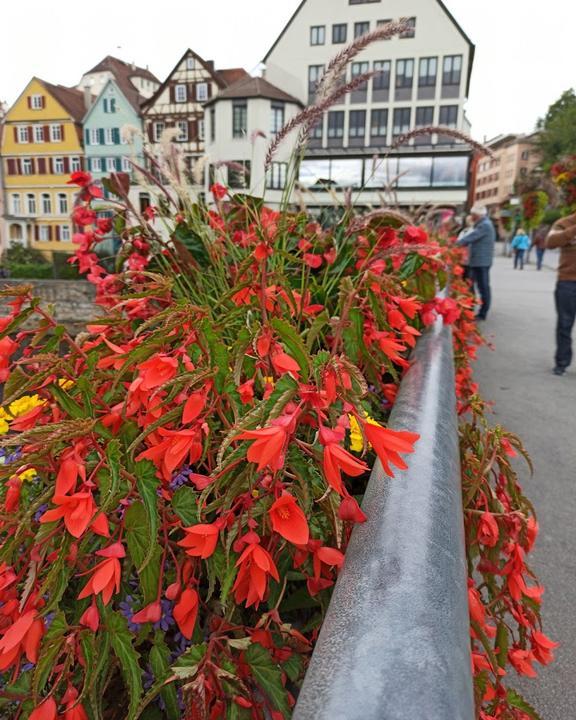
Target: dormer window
[[180, 94]]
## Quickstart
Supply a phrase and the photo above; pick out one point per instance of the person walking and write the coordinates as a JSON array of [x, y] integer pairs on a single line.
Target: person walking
[[520, 244], [563, 236], [481, 242], [468, 227], [540, 244]]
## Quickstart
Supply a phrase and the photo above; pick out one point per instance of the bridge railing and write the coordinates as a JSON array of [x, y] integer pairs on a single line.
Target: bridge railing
[[395, 642]]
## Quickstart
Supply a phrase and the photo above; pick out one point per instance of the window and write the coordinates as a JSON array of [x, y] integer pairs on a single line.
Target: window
[[108, 136], [190, 63], [380, 172], [276, 179], [452, 70], [346, 173], [239, 174], [381, 81], [401, 121], [359, 68], [46, 204], [449, 116], [239, 119], [65, 233], [424, 117], [126, 165], [380, 23], [318, 35], [317, 132], [75, 164], [180, 94], [27, 166], [415, 172], [31, 204], [201, 130], [16, 204], [357, 125], [411, 32], [55, 133], [361, 28], [202, 92], [314, 173], [404, 74], [379, 123], [525, 155], [212, 124], [362, 2], [427, 72], [359, 93], [110, 165], [336, 125], [315, 73], [94, 136], [339, 33], [44, 233], [450, 171], [38, 133], [144, 200], [63, 203], [37, 102], [58, 165], [158, 129], [277, 118], [109, 105], [96, 164], [182, 126], [22, 134]]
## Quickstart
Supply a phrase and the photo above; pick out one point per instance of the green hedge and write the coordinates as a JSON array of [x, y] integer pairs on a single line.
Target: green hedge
[[38, 271]]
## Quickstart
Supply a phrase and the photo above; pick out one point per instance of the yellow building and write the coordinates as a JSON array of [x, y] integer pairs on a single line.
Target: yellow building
[[41, 146]]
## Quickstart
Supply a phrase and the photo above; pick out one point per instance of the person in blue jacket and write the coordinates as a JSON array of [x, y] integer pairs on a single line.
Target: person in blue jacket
[[481, 243], [520, 244]]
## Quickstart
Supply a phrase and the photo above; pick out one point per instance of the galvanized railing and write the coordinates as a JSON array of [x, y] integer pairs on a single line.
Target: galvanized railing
[[395, 642]]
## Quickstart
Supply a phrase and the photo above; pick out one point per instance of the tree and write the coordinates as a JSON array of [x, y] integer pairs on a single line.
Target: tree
[[558, 130]]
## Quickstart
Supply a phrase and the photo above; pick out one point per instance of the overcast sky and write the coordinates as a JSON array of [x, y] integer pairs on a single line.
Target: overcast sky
[[525, 49]]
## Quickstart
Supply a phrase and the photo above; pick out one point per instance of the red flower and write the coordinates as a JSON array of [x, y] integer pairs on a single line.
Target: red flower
[[151, 613], [171, 452], [269, 446], [219, 191], [200, 540], [80, 178], [388, 444], [47, 710], [77, 510], [542, 647], [255, 565], [186, 611], [522, 661], [336, 460], [193, 407], [246, 392], [90, 618], [22, 636], [289, 521], [106, 575], [312, 260], [283, 363], [157, 370], [350, 510], [488, 531]]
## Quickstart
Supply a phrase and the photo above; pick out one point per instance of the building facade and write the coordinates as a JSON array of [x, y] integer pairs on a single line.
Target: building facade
[[514, 158], [41, 146], [423, 79], [131, 78], [178, 105], [240, 123]]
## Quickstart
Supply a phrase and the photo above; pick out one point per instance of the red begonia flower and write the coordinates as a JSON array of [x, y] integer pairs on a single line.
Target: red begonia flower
[[186, 611], [388, 444], [47, 710], [150, 613], [200, 540], [289, 521], [251, 584]]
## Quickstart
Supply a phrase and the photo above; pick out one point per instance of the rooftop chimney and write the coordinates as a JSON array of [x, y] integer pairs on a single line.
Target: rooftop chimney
[[87, 97]]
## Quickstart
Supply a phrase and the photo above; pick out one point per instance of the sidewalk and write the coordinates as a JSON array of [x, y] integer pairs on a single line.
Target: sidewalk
[[541, 408]]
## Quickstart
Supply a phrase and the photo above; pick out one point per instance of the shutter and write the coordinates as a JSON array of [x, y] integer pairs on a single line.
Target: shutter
[[172, 94], [43, 102], [50, 232], [46, 131], [61, 133], [87, 136], [118, 163], [18, 167], [209, 90], [192, 131], [51, 165], [57, 229], [32, 166], [66, 165], [12, 167], [101, 136], [15, 134], [41, 166], [29, 99], [29, 133], [150, 128], [36, 233], [116, 136]]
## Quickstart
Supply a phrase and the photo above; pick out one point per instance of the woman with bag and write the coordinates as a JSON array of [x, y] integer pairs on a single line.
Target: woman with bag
[[520, 244]]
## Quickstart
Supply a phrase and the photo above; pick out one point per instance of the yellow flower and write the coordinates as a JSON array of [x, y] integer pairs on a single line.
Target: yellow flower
[[4, 427], [24, 405], [356, 437], [27, 474], [255, 494], [269, 381], [65, 384]]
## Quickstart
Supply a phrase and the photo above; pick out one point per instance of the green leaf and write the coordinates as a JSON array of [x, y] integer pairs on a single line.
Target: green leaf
[[160, 663], [97, 677], [268, 676], [218, 355], [293, 666], [67, 403], [51, 648], [109, 482], [185, 505], [294, 344], [353, 335], [147, 485], [128, 657], [517, 701], [137, 537], [316, 328]]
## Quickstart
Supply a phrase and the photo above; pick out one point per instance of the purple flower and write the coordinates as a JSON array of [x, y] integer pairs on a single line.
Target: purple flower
[[166, 621], [41, 510], [128, 611]]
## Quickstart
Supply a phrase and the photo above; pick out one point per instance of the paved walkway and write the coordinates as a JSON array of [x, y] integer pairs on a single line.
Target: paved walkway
[[531, 401]]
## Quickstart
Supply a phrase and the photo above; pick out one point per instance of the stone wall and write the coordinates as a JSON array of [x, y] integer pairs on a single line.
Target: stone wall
[[70, 301]]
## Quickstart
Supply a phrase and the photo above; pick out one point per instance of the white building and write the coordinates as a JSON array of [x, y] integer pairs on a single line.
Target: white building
[[423, 80], [241, 122]]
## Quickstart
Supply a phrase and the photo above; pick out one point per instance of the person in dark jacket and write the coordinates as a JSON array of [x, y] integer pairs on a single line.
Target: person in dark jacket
[[481, 243], [563, 236]]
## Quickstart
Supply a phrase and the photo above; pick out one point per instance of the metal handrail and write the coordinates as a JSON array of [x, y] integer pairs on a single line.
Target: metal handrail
[[395, 642]]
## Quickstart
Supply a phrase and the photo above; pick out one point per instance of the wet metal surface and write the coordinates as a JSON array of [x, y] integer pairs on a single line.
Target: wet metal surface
[[395, 642]]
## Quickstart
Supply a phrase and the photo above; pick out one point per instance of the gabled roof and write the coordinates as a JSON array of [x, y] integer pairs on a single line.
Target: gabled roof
[[440, 2], [96, 98], [71, 99], [121, 68], [253, 87], [208, 65]]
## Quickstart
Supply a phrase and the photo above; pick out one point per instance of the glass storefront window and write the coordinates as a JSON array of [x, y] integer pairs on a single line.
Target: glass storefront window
[[450, 171], [346, 173], [415, 172], [379, 172], [314, 173]]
